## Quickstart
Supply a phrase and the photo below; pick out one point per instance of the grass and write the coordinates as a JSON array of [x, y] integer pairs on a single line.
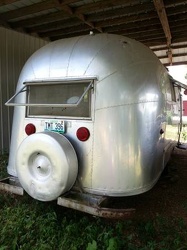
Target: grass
[[29, 224], [3, 164]]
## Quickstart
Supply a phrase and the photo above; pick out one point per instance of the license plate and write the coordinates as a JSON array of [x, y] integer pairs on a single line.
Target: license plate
[[55, 126]]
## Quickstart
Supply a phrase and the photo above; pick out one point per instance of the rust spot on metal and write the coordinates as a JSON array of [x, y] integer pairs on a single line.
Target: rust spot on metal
[[92, 204]]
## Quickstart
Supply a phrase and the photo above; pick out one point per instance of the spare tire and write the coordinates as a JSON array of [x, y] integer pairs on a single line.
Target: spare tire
[[46, 165]]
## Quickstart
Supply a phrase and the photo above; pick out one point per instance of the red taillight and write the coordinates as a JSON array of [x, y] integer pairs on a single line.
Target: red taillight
[[83, 134], [30, 129]]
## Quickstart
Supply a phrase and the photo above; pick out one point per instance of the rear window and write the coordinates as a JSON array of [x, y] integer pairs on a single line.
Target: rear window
[[56, 99], [69, 93]]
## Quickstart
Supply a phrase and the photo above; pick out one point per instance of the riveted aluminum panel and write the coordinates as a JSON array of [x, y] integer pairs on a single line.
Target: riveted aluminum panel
[[125, 152]]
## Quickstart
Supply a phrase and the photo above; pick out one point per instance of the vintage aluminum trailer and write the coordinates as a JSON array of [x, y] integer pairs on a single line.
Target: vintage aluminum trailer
[[90, 117]]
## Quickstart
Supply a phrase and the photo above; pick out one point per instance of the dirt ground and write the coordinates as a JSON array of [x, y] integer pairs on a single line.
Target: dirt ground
[[169, 196]]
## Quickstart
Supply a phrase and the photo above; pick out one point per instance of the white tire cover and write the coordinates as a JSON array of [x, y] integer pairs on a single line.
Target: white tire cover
[[47, 165]]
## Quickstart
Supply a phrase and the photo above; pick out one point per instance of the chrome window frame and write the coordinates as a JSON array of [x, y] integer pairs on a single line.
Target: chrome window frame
[[27, 84]]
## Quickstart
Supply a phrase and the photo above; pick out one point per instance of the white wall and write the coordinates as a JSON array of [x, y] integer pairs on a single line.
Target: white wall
[[15, 49]]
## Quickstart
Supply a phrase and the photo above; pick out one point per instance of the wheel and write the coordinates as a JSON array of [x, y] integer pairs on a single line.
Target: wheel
[[46, 165]]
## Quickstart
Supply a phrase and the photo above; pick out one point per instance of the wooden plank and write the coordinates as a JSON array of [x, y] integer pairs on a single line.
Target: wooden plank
[[134, 25], [121, 11], [71, 22], [40, 20], [174, 3], [72, 30], [159, 5], [174, 55], [5, 2], [126, 19], [24, 11], [96, 6], [56, 37]]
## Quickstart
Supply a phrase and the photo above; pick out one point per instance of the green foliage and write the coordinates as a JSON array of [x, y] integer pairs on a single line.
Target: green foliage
[[29, 224], [3, 166], [92, 246], [184, 133]]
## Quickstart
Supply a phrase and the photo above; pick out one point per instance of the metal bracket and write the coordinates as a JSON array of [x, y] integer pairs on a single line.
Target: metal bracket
[[94, 204]]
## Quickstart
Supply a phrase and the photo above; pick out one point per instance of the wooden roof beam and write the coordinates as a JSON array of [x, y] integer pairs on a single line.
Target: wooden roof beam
[[5, 2], [97, 6], [159, 5], [126, 19], [71, 12], [27, 10], [40, 20]]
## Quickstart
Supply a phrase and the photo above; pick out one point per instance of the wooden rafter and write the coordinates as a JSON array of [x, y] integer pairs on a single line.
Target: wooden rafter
[[39, 21], [73, 13], [96, 6], [159, 5], [150, 22], [5, 2], [24, 11]]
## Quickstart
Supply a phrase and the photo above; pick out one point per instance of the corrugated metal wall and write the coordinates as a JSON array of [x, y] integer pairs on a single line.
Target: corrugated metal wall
[[15, 49]]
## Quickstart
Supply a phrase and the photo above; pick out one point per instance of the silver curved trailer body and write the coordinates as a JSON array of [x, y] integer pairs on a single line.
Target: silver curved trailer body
[[130, 95]]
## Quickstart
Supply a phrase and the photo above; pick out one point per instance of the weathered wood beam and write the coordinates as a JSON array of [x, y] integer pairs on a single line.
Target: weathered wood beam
[[68, 23], [139, 25], [5, 2], [121, 11], [53, 38], [40, 20], [96, 6], [80, 15], [65, 2], [126, 19], [65, 31], [164, 47], [174, 55], [175, 63], [159, 5], [174, 3], [178, 17], [24, 11], [149, 29]]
